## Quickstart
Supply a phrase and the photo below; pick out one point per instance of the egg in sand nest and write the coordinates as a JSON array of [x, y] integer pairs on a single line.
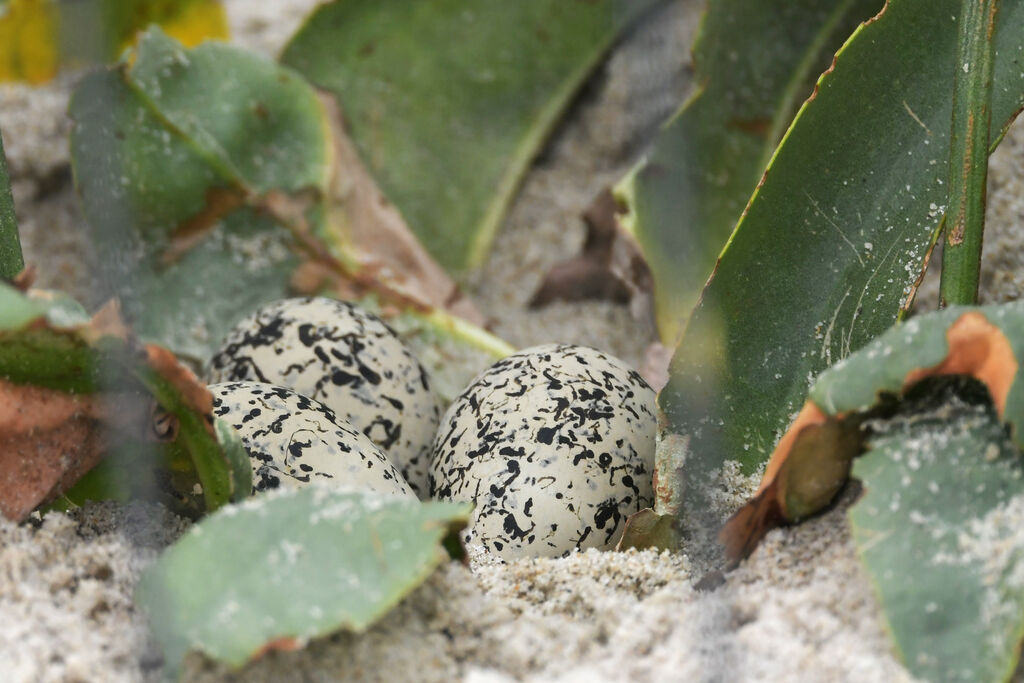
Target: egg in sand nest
[[555, 445], [337, 353], [293, 440]]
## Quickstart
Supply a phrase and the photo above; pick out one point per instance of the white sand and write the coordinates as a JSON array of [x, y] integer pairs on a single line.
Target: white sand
[[800, 609]]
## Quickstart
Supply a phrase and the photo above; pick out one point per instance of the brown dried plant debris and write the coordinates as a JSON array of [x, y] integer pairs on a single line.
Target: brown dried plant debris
[[610, 266]]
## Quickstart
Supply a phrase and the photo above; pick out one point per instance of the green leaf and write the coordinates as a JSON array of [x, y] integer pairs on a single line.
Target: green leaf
[[11, 260], [683, 201], [152, 155], [920, 347], [938, 531], [833, 241], [35, 351], [284, 568], [137, 470], [448, 105], [210, 207], [943, 484]]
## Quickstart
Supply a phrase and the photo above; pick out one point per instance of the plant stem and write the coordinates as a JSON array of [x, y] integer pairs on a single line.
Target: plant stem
[[968, 154], [11, 260]]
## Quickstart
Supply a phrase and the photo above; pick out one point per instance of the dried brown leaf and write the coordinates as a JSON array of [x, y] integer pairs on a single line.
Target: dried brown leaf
[[23, 281], [36, 466], [50, 438], [648, 529], [610, 266]]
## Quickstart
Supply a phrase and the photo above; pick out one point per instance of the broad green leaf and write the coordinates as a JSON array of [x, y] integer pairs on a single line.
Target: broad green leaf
[[37, 37], [11, 260], [448, 102], [834, 239], [683, 201], [943, 483], [49, 343], [284, 568], [17, 309], [211, 206], [153, 153], [938, 531]]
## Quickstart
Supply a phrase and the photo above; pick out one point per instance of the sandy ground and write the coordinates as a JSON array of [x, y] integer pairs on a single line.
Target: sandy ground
[[799, 609]]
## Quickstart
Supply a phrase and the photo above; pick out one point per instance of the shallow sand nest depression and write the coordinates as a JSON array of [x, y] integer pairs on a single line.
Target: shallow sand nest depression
[[799, 609]]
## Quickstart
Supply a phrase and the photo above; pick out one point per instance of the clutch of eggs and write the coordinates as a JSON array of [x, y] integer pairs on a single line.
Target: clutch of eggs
[[555, 445], [293, 440], [347, 358]]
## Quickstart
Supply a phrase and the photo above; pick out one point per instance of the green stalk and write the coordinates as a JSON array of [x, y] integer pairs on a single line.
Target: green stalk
[[968, 154], [11, 260]]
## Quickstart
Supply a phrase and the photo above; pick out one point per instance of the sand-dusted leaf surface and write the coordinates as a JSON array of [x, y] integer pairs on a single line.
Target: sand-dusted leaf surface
[[938, 531], [38, 37], [937, 527], [812, 459], [684, 199], [835, 238], [158, 161], [281, 569], [448, 104], [207, 207]]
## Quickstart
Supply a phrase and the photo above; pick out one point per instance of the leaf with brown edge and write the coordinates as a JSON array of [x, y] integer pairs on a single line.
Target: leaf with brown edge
[[682, 201], [346, 557], [365, 227], [828, 252], [448, 107], [193, 392], [72, 389], [811, 462], [252, 197]]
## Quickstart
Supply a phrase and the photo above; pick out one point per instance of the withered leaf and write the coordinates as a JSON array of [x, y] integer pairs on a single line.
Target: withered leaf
[[610, 266], [648, 529]]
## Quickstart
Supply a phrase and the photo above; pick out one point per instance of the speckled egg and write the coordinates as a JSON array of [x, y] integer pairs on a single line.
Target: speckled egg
[[555, 445], [350, 360], [294, 440]]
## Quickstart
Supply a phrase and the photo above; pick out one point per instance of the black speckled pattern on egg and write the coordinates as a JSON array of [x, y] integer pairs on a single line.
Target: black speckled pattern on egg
[[555, 444], [294, 440], [347, 358]]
